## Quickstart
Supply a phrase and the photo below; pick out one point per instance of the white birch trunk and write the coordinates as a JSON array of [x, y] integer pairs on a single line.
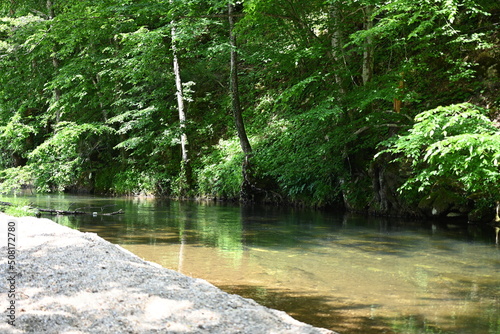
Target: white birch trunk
[[180, 95]]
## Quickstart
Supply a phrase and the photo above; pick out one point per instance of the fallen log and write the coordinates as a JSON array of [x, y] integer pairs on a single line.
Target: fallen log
[[61, 212], [119, 212], [76, 212]]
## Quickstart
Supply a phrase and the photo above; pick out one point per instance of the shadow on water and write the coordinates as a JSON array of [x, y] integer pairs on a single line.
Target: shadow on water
[[314, 310], [401, 246], [341, 315]]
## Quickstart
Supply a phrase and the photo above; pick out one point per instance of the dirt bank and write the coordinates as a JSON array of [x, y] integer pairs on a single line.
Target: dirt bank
[[72, 282]]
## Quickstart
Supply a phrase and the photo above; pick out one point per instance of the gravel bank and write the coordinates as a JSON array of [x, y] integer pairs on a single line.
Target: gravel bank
[[72, 282]]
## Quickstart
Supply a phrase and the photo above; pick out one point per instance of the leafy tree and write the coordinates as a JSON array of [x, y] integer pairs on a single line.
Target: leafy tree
[[426, 46], [455, 147]]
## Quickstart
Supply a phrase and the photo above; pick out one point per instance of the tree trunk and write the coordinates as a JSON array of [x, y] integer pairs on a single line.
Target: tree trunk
[[246, 187], [336, 44], [55, 63], [95, 81], [185, 174], [57, 91], [180, 97], [50, 9], [368, 52], [235, 96], [398, 103], [12, 11]]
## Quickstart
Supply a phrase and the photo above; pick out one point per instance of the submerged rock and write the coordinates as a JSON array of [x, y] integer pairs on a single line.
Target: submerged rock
[[442, 203]]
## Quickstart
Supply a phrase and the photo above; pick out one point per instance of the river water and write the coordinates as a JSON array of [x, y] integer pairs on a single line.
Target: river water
[[348, 273]]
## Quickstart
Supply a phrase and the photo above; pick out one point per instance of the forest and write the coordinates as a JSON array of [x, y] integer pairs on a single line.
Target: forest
[[388, 108]]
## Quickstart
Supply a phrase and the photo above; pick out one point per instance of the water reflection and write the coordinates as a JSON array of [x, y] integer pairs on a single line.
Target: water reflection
[[349, 273]]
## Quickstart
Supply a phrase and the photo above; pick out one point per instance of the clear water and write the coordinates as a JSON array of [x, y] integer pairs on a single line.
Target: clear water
[[349, 273]]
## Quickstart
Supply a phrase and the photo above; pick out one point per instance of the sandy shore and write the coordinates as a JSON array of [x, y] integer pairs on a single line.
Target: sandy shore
[[72, 282]]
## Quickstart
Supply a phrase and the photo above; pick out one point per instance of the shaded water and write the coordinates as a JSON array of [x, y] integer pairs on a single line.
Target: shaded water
[[348, 273]]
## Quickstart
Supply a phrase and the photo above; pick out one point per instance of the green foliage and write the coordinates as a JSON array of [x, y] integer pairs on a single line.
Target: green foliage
[[436, 124], [135, 182], [61, 159], [455, 146], [14, 138], [430, 40], [219, 174], [88, 97], [303, 154], [307, 146], [19, 208], [20, 211], [13, 179]]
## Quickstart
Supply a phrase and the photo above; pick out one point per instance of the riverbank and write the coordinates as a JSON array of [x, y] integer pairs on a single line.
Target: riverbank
[[73, 282]]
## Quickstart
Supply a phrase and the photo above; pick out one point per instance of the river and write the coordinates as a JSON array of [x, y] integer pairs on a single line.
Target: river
[[348, 273]]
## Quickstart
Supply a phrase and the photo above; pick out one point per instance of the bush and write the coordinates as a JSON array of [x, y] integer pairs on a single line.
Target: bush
[[220, 173], [135, 182], [13, 179], [59, 162], [455, 147]]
